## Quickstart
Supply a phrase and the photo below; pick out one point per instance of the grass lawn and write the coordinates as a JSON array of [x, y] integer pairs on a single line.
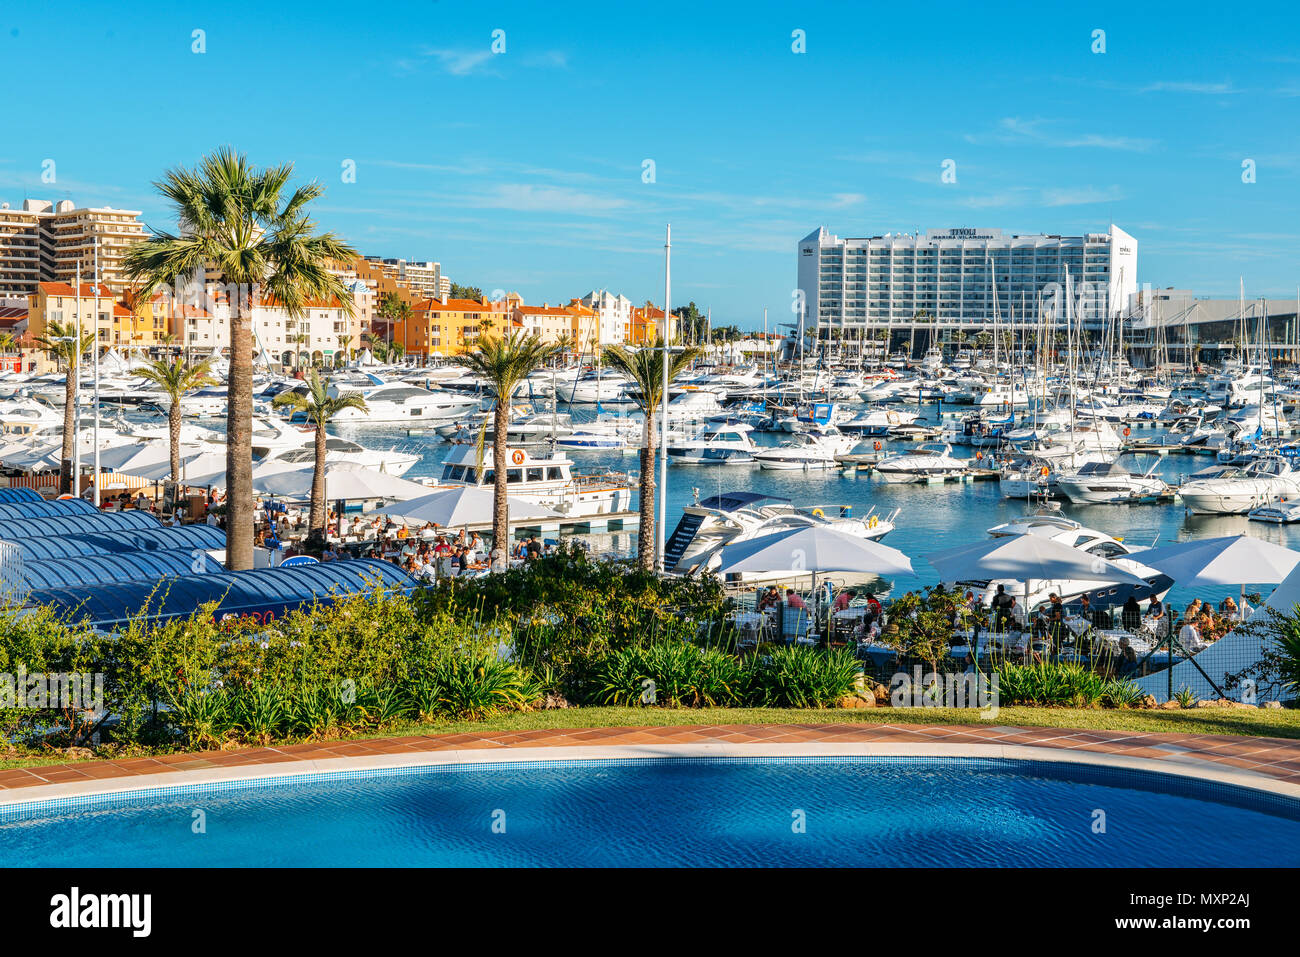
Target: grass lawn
[[1269, 723]]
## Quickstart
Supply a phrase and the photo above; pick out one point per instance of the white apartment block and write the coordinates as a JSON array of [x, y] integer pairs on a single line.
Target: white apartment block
[[613, 322], [48, 242], [322, 330], [961, 277]]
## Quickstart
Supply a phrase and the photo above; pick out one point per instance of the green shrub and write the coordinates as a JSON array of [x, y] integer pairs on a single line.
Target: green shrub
[[682, 675], [797, 677]]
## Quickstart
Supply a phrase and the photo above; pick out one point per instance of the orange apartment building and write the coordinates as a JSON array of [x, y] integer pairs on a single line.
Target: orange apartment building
[[447, 328]]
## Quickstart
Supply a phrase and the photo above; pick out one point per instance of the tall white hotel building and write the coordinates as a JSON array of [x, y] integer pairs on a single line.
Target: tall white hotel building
[[961, 278]]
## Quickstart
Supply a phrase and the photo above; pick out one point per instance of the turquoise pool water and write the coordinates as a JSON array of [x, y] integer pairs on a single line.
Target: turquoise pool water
[[691, 812]]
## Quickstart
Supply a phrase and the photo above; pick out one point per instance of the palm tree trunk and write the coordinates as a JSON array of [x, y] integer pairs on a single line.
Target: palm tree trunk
[[645, 533], [239, 443], [174, 436], [69, 433], [500, 506], [317, 519]]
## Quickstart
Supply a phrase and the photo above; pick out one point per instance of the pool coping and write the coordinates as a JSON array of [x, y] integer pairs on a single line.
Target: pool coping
[[1270, 765]]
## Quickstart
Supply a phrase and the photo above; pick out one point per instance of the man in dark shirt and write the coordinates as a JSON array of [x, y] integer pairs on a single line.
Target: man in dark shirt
[[1001, 609]]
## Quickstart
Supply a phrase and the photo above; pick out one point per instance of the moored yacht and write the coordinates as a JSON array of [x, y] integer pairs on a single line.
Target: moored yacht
[[1099, 483], [1237, 491], [815, 449], [930, 460]]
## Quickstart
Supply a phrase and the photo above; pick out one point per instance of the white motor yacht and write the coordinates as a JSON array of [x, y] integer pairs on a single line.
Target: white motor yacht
[[1099, 483], [1049, 523], [930, 460], [814, 449], [709, 524], [1237, 491], [722, 445], [547, 479]]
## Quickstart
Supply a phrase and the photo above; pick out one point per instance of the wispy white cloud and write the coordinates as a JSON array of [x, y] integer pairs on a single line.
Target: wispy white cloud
[[459, 62], [1015, 129], [1184, 86]]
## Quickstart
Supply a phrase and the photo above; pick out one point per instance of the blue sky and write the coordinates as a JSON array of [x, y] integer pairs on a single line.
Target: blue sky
[[523, 170]]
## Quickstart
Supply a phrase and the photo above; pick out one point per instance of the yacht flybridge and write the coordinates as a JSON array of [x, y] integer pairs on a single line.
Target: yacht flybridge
[[814, 449], [546, 479]]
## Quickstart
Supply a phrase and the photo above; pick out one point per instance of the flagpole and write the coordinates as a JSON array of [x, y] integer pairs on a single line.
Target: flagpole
[[663, 451]]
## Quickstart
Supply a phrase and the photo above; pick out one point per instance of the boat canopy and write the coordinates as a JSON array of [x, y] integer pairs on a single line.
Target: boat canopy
[[730, 501]]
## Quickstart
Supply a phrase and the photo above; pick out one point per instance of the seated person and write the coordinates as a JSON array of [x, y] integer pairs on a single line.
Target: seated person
[[1130, 617], [770, 598], [843, 599], [793, 600]]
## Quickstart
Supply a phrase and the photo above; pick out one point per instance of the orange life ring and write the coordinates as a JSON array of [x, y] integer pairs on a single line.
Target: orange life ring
[[1045, 470], [517, 456], [1127, 431], [978, 456], [876, 445]]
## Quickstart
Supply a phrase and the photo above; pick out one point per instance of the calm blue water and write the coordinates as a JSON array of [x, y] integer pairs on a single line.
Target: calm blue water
[[883, 812], [932, 517]]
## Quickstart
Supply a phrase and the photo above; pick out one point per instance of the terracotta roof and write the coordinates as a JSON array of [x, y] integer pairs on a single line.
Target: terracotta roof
[[65, 289]]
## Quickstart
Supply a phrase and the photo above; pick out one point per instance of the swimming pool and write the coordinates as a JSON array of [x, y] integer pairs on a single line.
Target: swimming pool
[[815, 811]]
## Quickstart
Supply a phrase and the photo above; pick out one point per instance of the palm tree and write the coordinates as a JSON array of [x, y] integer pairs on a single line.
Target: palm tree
[[235, 219], [60, 342], [645, 368], [563, 344], [7, 342], [504, 363], [320, 408], [174, 379]]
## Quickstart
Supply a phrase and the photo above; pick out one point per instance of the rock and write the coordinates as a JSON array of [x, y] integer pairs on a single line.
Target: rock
[[1149, 702], [1271, 704], [79, 754], [554, 701], [1170, 705], [882, 695], [1222, 703], [866, 699]]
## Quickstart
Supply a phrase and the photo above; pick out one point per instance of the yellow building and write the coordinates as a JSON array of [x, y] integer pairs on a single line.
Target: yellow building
[[446, 328]]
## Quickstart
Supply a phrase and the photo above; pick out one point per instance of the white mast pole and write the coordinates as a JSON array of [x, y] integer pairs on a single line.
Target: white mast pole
[[663, 450], [75, 371], [95, 357]]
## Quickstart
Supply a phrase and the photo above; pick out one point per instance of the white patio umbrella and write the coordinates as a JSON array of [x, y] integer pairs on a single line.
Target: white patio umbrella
[[1025, 558], [194, 464], [1229, 560], [345, 481], [463, 505], [119, 457], [813, 549]]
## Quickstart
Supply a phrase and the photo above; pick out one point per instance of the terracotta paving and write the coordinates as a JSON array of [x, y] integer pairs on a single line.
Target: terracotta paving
[[1275, 758]]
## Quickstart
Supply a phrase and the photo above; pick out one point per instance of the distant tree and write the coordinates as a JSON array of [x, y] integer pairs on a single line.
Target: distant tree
[[692, 323], [466, 292]]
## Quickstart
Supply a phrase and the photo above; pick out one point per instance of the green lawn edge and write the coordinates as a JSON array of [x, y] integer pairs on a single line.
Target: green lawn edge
[[1274, 723]]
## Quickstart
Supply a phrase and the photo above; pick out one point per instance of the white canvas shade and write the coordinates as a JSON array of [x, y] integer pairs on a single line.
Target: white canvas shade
[[464, 505]]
